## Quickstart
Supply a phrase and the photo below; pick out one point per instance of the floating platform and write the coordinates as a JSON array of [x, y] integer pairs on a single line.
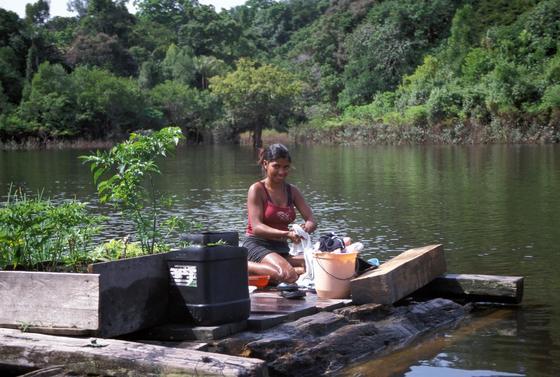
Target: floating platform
[[285, 337]]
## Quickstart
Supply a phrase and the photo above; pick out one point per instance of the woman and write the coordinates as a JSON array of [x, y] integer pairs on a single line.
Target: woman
[[270, 207]]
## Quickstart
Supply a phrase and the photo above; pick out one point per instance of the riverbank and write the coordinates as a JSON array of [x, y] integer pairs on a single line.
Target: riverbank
[[53, 144], [356, 132]]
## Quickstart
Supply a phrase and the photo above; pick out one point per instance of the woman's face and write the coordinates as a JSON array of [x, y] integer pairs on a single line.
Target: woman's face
[[277, 170]]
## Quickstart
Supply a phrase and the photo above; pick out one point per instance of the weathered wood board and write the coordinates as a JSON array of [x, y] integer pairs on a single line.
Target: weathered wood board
[[400, 276], [474, 287], [268, 309], [63, 302], [185, 331], [117, 357], [116, 298]]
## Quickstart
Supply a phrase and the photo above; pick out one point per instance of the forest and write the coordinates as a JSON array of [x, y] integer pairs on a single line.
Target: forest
[[339, 71]]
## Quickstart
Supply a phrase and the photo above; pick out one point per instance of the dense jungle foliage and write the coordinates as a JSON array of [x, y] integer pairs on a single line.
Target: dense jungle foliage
[[338, 70]]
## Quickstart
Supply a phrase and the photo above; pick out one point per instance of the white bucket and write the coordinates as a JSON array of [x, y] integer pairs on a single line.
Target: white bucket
[[333, 272]]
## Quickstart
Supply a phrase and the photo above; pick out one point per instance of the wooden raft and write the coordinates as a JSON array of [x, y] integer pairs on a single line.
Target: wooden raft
[[115, 357]]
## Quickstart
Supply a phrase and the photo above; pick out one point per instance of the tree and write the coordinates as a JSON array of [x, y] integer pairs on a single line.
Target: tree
[[14, 44], [257, 96], [106, 105], [109, 17], [178, 64], [390, 44], [78, 6], [101, 50], [206, 67], [37, 13], [49, 110], [187, 107]]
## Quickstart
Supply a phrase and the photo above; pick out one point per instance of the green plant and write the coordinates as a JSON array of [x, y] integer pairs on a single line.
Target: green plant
[[38, 234], [128, 171], [117, 249], [217, 243]]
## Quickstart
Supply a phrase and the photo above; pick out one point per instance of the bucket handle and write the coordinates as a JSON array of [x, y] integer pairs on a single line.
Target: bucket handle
[[331, 275]]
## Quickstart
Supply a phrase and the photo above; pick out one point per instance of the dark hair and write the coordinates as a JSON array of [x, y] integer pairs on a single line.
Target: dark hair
[[274, 152]]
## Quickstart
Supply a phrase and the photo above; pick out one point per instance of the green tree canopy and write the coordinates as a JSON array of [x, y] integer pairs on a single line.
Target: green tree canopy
[[256, 97]]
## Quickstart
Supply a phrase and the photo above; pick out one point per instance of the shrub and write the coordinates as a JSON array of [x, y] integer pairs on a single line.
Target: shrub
[[443, 103], [36, 233], [551, 98], [129, 170]]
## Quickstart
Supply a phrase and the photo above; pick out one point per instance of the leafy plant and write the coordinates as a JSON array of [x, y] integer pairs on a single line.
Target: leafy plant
[[117, 249], [37, 234], [125, 178]]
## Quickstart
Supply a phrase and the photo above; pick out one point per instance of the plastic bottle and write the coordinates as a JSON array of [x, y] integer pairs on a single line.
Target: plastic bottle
[[355, 247]]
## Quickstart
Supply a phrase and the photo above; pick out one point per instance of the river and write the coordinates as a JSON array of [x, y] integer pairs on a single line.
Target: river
[[494, 208]]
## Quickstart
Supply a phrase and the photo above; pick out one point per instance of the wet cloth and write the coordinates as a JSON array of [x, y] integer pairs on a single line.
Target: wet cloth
[[258, 248], [305, 247], [277, 217], [330, 242]]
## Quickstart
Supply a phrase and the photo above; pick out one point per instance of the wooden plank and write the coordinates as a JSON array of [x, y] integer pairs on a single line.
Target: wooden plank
[[183, 331], [400, 276], [474, 287], [191, 345], [117, 357], [49, 301], [310, 298], [280, 305], [260, 322], [133, 294]]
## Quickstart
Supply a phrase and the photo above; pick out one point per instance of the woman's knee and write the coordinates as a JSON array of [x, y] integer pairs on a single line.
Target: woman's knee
[[285, 271]]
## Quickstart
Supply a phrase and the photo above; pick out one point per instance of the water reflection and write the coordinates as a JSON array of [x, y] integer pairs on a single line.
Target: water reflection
[[495, 209]]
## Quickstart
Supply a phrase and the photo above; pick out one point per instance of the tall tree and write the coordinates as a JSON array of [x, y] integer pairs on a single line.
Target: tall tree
[[37, 13], [78, 6], [256, 97]]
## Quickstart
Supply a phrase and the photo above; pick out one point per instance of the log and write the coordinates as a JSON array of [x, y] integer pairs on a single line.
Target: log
[[472, 287], [326, 342], [400, 276], [117, 357]]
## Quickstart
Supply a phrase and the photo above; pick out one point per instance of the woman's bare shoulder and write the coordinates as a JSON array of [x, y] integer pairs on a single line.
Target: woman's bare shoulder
[[256, 188], [295, 189]]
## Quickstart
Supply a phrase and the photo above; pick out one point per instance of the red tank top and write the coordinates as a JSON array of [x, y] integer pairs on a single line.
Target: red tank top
[[274, 216]]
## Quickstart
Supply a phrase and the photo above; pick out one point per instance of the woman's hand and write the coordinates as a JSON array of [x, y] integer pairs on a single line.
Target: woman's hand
[[293, 236], [309, 226]]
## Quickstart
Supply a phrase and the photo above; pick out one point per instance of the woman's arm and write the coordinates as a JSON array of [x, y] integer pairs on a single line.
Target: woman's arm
[[255, 210], [310, 225]]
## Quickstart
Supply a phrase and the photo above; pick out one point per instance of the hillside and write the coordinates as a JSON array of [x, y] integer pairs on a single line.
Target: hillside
[[389, 71]]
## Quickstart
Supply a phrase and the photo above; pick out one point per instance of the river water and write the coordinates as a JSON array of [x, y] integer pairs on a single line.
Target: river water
[[494, 208]]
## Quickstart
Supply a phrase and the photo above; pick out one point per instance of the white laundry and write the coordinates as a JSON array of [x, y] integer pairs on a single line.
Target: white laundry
[[305, 247], [298, 248]]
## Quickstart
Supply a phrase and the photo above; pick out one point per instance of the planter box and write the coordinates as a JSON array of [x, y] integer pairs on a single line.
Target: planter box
[[115, 298]]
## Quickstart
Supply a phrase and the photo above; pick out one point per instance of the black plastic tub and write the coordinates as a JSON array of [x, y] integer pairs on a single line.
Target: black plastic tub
[[205, 238], [208, 285]]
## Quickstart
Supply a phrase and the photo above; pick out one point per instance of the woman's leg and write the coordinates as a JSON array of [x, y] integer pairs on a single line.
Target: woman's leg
[[275, 265], [298, 263]]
